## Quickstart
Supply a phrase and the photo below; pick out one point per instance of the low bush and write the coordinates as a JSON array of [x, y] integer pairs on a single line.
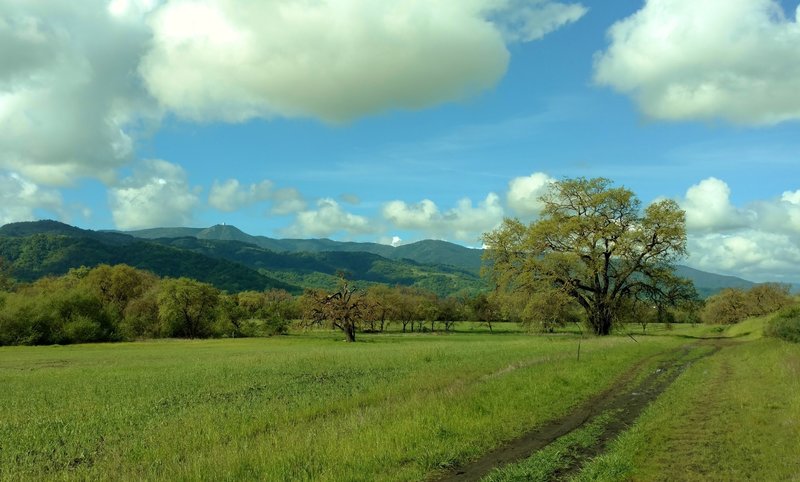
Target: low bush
[[785, 324]]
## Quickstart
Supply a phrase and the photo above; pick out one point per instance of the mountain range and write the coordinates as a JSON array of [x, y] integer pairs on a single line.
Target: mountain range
[[233, 260]]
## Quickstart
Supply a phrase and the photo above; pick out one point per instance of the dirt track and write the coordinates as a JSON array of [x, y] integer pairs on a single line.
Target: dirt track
[[629, 395]]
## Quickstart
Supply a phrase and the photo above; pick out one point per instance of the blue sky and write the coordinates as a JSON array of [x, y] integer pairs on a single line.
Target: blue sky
[[394, 122]]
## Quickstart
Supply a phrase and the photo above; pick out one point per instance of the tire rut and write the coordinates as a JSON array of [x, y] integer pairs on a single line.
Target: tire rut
[[626, 396]]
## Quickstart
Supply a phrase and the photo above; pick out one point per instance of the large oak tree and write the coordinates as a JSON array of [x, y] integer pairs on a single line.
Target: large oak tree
[[594, 243]]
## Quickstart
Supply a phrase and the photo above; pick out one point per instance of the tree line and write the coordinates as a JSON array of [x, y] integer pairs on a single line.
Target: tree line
[[117, 303]]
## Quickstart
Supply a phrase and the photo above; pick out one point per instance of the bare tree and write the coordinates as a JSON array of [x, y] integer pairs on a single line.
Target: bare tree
[[343, 309]]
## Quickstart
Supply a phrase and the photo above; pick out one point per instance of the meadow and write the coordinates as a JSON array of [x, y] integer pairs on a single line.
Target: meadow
[[309, 406]]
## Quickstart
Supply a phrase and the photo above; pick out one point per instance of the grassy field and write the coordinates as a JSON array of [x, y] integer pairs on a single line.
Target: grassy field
[[301, 407], [390, 407], [732, 416]]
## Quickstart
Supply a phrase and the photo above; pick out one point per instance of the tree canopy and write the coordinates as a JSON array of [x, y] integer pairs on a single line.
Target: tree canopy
[[595, 244]]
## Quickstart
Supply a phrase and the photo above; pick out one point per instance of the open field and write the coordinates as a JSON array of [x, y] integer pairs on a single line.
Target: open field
[[733, 416], [390, 407]]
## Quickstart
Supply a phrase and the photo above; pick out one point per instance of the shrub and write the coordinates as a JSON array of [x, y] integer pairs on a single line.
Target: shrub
[[785, 324]]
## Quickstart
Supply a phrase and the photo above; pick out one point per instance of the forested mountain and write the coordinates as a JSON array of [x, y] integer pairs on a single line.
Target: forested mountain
[[233, 260], [38, 255], [425, 252], [44, 248]]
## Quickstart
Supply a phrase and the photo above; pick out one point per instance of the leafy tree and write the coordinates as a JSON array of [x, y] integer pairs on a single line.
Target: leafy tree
[[768, 298], [140, 318], [733, 305], [548, 309], [118, 285], [187, 308], [593, 243], [726, 307], [383, 300]]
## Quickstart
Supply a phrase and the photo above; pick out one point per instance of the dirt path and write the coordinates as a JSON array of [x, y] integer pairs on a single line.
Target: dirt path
[[628, 396]]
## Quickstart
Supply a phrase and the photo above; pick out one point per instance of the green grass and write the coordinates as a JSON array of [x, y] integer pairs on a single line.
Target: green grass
[[301, 407], [732, 416]]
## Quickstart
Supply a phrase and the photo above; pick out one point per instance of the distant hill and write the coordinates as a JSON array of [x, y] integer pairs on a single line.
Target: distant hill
[[425, 252], [709, 283], [233, 260], [50, 248], [221, 255]]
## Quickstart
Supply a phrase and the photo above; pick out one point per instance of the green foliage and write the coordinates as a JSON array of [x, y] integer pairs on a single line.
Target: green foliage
[[733, 305], [785, 325], [595, 245], [140, 318], [187, 308], [54, 311]]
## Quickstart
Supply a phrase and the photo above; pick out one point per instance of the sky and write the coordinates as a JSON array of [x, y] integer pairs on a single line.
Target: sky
[[397, 121]]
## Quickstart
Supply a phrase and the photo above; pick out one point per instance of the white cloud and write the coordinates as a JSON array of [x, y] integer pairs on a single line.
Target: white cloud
[[752, 254], [524, 193], [288, 201], [157, 194], [528, 21], [686, 59], [708, 207], [759, 241], [22, 200], [230, 195], [69, 104], [329, 218], [393, 241], [333, 60], [464, 222]]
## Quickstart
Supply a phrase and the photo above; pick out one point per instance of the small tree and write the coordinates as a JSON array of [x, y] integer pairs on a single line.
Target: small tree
[[343, 309], [726, 307]]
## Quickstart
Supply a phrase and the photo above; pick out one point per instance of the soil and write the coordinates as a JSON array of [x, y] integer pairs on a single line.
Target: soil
[[629, 396]]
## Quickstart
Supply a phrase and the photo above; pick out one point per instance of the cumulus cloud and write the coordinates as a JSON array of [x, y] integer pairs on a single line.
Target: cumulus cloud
[[524, 193], [685, 59], [329, 218], [157, 194], [708, 207], [22, 200], [759, 241], [464, 222], [752, 254], [70, 103], [230, 195], [333, 60]]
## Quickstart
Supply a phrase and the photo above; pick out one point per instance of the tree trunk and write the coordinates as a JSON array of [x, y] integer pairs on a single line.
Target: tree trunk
[[600, 319], [350, 332]]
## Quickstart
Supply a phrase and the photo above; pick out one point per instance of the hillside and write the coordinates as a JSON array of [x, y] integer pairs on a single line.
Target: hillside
[[424, 252], [57, 248], [321, 269], [221, 255]]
